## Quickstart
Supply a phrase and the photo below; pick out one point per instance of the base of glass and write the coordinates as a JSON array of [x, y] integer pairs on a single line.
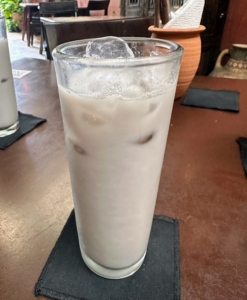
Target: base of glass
[[10, 130], [111, 273]]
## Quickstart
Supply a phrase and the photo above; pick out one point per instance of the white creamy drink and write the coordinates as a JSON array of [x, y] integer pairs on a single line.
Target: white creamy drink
[[111, 144], [116, 114], [8, 107]]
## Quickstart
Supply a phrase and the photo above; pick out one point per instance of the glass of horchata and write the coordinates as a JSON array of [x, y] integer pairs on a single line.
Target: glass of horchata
[[116, 99], [9, 122]]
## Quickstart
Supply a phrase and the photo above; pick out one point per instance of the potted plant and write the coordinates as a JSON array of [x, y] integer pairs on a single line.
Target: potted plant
[[12, 12]]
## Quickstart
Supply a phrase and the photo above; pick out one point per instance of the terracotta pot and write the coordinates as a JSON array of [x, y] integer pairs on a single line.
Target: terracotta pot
[[190, 40], [16, 16]]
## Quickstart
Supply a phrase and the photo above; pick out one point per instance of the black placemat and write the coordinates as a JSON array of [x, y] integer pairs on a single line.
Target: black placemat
[[26, 123], [215, 99], [66, 277], [242, 141]]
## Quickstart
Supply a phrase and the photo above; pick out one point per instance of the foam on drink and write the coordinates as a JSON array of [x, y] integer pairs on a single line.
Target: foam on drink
[[111, 143]]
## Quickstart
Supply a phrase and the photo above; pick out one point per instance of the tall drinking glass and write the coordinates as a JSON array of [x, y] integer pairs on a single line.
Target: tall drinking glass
[[8, 108], [116, 115]]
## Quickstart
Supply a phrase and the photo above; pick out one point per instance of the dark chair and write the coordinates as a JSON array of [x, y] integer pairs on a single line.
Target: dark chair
[[97, 5], [58, 33], [58, 7], [54, 8]]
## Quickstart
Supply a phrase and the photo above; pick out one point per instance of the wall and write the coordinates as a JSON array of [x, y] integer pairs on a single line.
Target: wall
[[114, 8], [235, 30]]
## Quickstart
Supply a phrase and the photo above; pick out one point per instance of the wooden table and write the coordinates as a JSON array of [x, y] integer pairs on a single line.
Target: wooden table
[[58, 30], [29, 8], [202, 184], [81, 19]]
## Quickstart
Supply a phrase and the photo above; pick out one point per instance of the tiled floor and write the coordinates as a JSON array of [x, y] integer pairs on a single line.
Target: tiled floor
[[19, 48]]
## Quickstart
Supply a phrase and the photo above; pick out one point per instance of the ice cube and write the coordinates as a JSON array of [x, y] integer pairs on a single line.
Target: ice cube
[[79, 150], [108, 47], [92, 118], [152, 107], [145, 139]]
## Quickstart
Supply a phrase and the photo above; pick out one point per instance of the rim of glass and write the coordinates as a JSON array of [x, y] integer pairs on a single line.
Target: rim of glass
[[176, 51]]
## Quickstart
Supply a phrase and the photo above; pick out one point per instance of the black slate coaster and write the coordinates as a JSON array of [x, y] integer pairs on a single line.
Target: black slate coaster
[[215, 99], [26, 124], [243, 151], [66, 277]]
